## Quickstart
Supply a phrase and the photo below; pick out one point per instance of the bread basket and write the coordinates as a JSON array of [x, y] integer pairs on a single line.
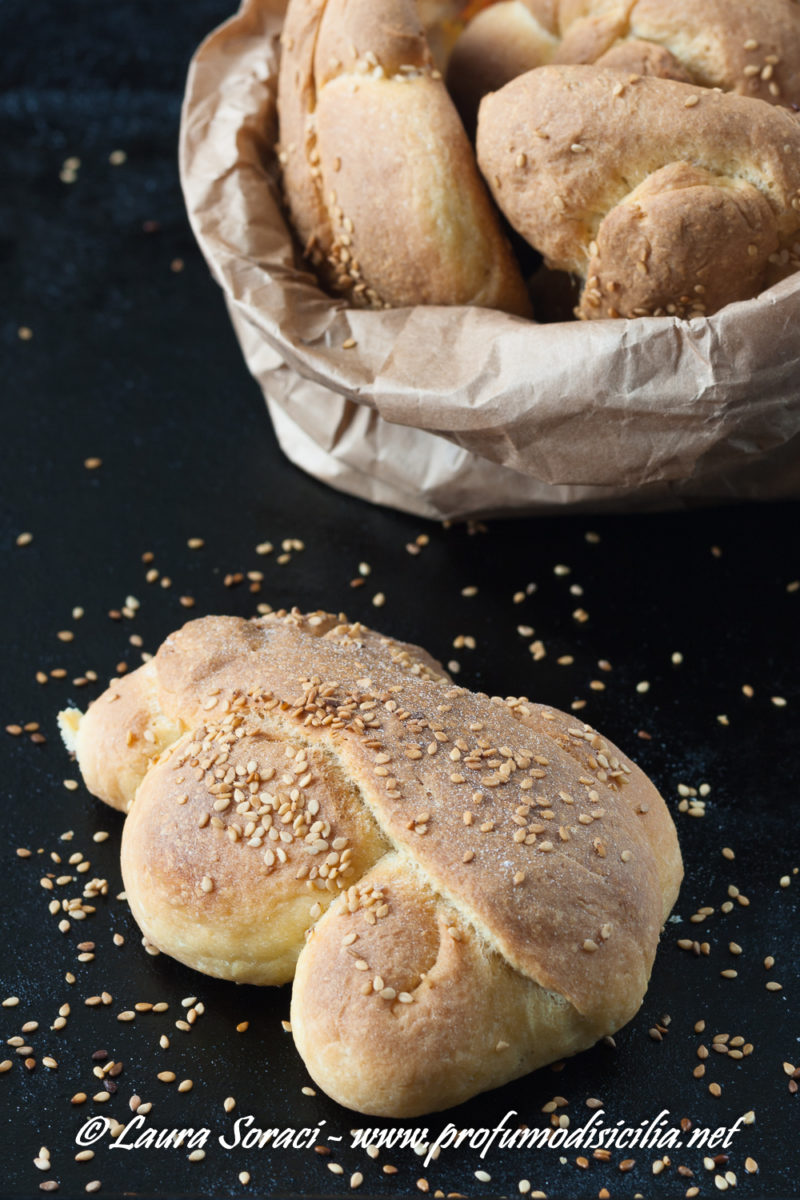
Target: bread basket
[[460, 412]]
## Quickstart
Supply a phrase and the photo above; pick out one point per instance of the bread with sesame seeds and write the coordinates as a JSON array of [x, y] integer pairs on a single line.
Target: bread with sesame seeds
[[379, 176], [664, 198], [467, 887], [742, 46]]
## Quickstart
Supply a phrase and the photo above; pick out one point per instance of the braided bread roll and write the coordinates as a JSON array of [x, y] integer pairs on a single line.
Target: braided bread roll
[[378, 173], [467, 888], [742, 46], [665, 198]]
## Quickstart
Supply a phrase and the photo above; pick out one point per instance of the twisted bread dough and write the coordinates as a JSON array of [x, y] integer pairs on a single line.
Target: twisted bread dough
[[474, 886], [378, 173], [665, 198], [742, 46]]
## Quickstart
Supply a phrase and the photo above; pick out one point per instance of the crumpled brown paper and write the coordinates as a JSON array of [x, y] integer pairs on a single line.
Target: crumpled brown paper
[[456, 412]]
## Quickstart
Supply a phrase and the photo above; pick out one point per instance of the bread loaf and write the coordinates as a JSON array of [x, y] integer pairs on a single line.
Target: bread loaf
[[378, 173], [742, 46], [665, 198], [467, 887]]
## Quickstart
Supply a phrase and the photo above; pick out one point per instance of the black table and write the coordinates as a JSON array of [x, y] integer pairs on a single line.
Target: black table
[[118, 349]]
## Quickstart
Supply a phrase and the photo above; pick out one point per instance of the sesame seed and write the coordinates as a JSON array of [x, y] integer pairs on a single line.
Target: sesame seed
[[24, 539]]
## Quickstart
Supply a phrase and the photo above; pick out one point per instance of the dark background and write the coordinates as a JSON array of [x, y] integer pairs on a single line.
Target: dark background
[[132, 360]]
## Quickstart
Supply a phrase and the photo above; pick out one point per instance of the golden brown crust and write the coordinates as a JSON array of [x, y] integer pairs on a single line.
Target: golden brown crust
[[216, 860], [323, 740], [666, 198], [122, 733], [400, 1009], [499, 43], [638, 57], [741, 46], [379, 175]]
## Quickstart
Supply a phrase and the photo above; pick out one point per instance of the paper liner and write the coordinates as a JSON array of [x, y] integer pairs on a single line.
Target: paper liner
[[455, 412]]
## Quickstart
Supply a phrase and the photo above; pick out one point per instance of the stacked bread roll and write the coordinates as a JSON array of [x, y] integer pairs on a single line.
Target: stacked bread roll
[[464, 887], [379, 176], [648, 148], [743, 46], [665, 198]]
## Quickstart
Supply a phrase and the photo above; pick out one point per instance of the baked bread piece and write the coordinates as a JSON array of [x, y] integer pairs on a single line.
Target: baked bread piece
[[379, 175], [663, 197], [500, 42], [470, 887], [742, 46]]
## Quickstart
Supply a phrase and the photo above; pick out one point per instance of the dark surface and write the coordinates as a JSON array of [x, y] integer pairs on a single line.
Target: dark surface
[[135, 363]]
